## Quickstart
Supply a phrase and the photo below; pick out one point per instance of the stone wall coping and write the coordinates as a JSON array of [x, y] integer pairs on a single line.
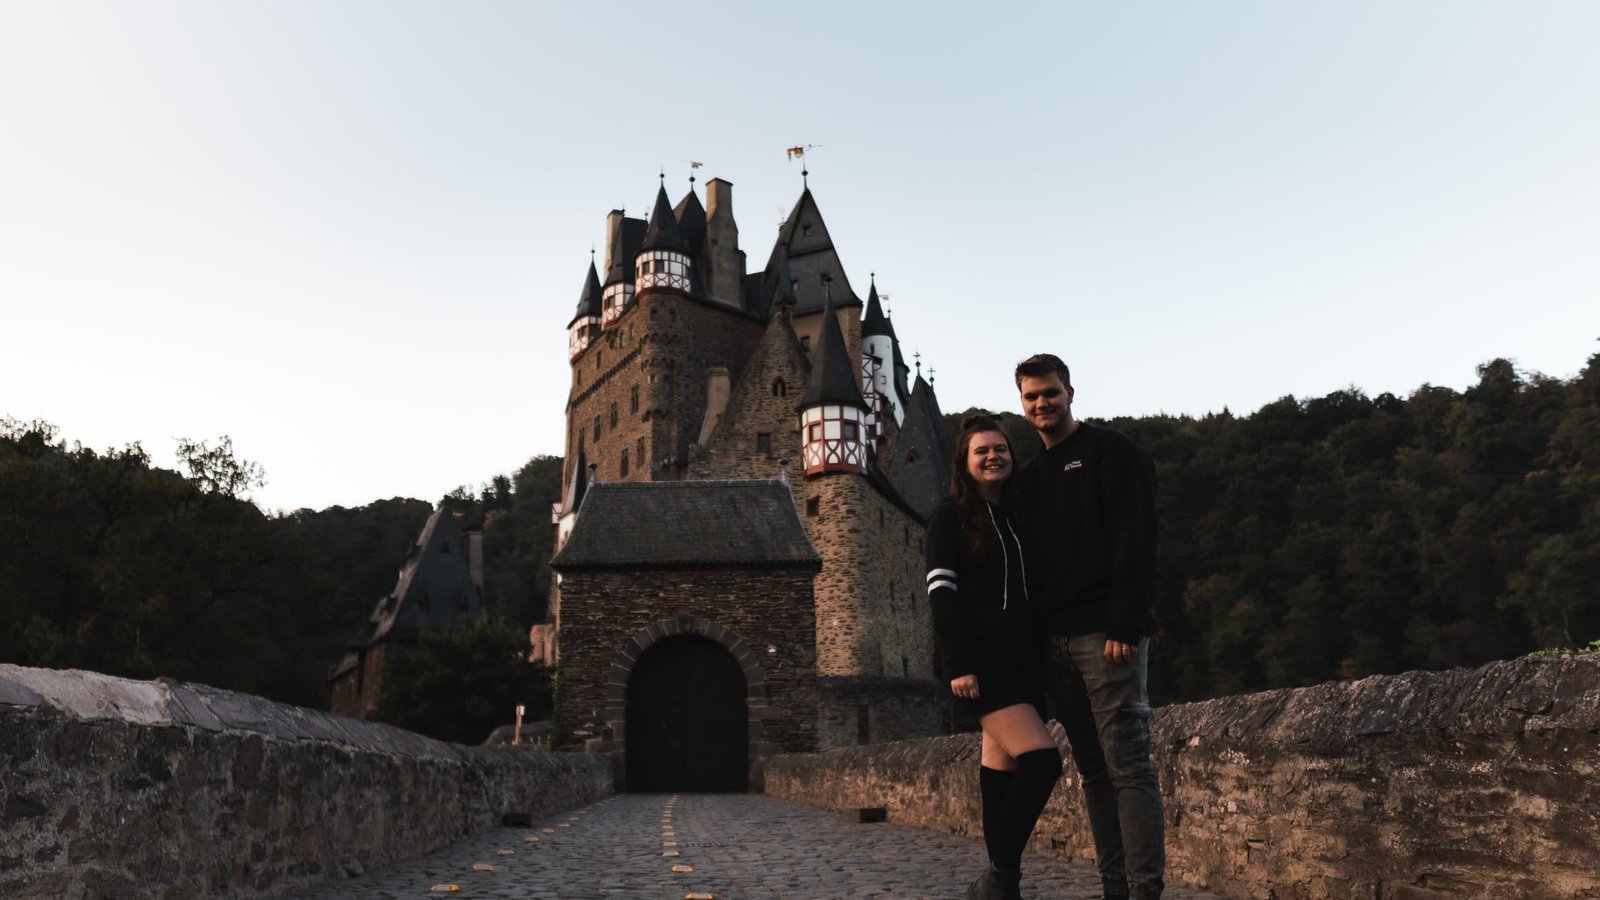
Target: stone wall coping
[[91, 697]]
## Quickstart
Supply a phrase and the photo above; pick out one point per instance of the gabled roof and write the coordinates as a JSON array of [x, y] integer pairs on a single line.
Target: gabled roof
[[873, 321], [589, 299], [623, 250], [434, 583], [804, 239], [834, 376], [663, 233], [688, 523], [919, 467]]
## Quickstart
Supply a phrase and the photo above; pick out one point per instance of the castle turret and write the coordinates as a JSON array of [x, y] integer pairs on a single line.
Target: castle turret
[[663, 261], [623, 237], [585, 325], [833, 416], [879, 382]]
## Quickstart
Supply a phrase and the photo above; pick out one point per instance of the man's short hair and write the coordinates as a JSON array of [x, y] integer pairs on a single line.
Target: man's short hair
[[1043, 365]]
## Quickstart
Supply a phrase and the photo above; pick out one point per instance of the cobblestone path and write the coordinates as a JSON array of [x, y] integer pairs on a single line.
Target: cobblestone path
[[718, 846]]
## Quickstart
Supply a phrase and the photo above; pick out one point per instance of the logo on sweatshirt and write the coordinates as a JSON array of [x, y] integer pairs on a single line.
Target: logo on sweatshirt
[[1075, 464]]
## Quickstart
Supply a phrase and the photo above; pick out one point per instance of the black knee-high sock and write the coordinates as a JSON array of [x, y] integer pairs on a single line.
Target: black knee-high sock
[[1036, 776], [992, 785]]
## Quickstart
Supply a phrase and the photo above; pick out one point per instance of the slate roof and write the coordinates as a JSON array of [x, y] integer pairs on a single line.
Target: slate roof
[[691, 218], [834, 375], [873, 321], [926, 481], [589, 300], [686, 523], [804, 239], [624, 250], [435, 571], [663, 233]]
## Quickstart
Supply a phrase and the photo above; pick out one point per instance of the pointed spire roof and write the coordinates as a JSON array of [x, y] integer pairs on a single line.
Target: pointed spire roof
[[833, 374], [589, 300], [919, 467], [874, 322], [804, 238], [691, 218], [663, 233]]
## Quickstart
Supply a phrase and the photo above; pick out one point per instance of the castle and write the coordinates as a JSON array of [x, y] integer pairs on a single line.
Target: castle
[[749, 467]]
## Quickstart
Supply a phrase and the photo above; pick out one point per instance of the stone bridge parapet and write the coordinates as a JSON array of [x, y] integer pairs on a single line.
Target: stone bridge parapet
[[119, 788], [1481, 782]]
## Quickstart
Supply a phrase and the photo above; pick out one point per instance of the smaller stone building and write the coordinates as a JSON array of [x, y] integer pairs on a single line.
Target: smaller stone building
[[440, 585], [688, 631]]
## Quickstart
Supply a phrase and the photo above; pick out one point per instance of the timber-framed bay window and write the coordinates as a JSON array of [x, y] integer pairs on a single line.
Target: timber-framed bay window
[[662, 269], [613, 300], [834, 438]]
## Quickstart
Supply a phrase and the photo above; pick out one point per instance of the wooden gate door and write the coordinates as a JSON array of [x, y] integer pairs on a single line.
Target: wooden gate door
[[687, 727]]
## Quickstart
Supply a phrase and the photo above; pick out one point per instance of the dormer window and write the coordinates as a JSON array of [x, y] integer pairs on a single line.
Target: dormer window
[[833, 439], [763, 442], [780, 388]]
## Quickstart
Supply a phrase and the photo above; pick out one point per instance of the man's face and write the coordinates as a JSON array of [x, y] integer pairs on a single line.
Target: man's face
[[1047, 404]]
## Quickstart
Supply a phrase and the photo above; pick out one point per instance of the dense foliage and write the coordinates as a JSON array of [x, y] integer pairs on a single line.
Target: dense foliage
[[1346, 535], [1330, 537], [459, 684], [113, 565]]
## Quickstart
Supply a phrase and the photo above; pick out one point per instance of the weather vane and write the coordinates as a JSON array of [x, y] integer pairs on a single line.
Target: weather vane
[[800, 151]]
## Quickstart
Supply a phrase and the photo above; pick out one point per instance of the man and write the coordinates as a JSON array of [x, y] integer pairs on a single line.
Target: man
[[1088, 504]]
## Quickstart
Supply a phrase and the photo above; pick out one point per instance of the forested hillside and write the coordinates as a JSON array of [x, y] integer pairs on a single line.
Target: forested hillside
[[112, 565], [1331, 537], [1347, 535]]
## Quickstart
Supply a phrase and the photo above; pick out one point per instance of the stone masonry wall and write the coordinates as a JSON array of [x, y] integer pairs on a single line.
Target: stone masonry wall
[[1479, 783], [606, 613], [111, 788]]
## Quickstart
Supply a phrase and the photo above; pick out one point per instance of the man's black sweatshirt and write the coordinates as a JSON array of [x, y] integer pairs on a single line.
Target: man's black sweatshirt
[[1089, 516]]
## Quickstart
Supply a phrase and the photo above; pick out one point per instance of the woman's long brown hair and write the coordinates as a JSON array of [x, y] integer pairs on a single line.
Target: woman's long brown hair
[[976, 526]]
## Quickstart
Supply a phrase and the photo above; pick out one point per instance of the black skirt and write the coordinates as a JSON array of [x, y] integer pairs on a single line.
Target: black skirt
[[1006, 677]]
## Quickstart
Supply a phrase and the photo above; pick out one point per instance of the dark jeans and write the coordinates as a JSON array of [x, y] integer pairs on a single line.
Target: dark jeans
[[1105, 709]]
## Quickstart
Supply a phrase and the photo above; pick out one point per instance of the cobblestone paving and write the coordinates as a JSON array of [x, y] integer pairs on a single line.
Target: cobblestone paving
[[719, 846]]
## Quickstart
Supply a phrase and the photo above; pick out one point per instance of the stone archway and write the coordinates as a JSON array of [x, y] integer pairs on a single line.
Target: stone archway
[[685, 719], [615, 717]]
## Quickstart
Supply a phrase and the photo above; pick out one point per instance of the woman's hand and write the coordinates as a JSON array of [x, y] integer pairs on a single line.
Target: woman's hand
[[965, 687]]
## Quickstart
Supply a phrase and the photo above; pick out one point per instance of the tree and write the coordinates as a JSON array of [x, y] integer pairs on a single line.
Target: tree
[[459, 684], [216, 470]]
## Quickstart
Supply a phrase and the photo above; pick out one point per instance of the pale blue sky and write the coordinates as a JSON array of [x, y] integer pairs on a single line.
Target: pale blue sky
[[350, 235]]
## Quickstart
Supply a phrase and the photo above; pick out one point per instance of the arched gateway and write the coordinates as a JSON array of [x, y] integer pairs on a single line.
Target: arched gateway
[[686, 724]]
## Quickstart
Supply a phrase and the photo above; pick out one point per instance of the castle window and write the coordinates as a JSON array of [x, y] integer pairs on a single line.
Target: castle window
[[851, 431], [814, 431], [911, 456], [633, 399], [813, 507], [597, 428], [805, 342], [763, 442], [639, 452], [623, 470], [597, 357], [908, 534], [613, 414], [863, 726], [652, 312], [905, 667], [880, 518], [780, 388]]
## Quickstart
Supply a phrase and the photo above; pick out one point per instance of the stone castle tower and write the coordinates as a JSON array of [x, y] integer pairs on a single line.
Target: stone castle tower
[[748, 476]]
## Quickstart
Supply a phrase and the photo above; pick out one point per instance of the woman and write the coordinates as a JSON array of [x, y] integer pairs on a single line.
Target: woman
[[990, 644]]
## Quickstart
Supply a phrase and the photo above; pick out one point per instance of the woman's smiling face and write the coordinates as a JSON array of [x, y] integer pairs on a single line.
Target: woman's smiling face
[[989, 458]]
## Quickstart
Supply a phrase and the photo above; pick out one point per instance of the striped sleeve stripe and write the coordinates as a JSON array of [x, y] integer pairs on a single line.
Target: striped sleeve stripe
[[941, 583], [935, 573]]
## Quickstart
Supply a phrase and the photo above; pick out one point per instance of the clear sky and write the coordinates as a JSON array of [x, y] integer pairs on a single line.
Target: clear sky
[[351, 235]]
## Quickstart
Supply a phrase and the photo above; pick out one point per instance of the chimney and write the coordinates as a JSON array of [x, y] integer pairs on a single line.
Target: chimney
[[726, 281], [613, 240], [475, 558], [718, 387]]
